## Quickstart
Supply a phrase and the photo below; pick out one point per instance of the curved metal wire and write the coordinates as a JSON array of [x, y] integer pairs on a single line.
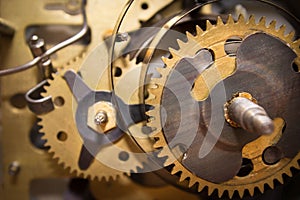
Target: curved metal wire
[[54, 49]]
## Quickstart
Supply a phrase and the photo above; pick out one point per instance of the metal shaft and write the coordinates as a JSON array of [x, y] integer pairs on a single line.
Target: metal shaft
[[38, 47], [250, 116]]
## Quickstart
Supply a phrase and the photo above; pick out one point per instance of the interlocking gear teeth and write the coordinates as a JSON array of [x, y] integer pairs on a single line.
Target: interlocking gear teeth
[[189, 48], [66, 152]]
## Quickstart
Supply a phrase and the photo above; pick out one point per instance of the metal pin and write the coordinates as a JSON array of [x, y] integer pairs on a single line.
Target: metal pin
[[38, 47], [250, 116], [101, 118], [14, 168]]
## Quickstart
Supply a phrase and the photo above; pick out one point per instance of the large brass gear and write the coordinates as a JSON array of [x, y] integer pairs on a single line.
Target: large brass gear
[[212, 38], [64, 141]]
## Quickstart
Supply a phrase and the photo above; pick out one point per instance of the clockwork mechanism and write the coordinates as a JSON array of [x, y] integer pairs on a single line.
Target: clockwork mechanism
[[150, 99]]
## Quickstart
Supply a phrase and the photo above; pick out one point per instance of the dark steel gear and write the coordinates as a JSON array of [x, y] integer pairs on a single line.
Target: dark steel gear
[[200, 77]]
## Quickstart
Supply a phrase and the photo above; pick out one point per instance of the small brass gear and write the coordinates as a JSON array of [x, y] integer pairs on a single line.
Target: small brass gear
[[214, 38], [65, 143]]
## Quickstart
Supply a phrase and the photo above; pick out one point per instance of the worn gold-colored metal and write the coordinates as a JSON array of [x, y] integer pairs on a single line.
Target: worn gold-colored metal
[[214, 38], [16, 122], [239, 94], [67, 151]]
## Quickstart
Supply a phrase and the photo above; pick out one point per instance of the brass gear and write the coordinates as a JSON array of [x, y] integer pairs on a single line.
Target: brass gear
[[65, 143], [211, 39]]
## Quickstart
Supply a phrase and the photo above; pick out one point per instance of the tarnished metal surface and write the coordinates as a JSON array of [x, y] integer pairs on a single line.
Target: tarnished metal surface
[[83, 119], [14, 50], [224, 149]]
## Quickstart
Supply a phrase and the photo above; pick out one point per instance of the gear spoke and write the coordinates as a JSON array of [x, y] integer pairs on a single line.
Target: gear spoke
[[252, 63]]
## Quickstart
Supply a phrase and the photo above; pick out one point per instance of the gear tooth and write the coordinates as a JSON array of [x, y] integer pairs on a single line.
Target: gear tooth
[[280, 179], [68, 169], [155, 91], [162, 71], [271, 184], [241, 19], [129, 173], [180, 43], [260, 187], [169, 161], [219, 21], [44, 138], [151, 113], [104, 179], [192, 182], [208, 25], [46, 141], [42, 129], [175, 170], [80, 174], [289, 172], [290, 37], [230, 193], [96, 178], [85, 175], [199, 30], [251, 191], [162, 152], [210, 190], [262, 21], [183, 176], [220, 193], [200, 186], [114, 178], [51, 151], [190, 36], [158, 144], [93, 178], [50, 81], [165, 59], [251, 20], [151, 100], [44, 94], [158, 81], [297, 43], [59, 161], [100, 178], [241, 193], [281, 30], [90, 177], [272, 25], [40, 123], [168, 62], [230, 20], [174, 53]]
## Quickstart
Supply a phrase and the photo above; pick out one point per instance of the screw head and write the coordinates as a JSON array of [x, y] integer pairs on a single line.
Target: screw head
[[14, 168], [101, 118]]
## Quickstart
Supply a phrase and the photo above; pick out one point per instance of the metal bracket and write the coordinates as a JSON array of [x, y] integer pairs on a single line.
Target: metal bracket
[[36, 103]]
